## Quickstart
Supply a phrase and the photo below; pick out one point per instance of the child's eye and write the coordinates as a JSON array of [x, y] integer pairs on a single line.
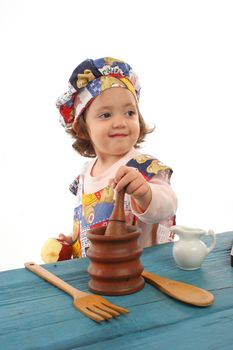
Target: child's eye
[[105, 116], [131, 113]]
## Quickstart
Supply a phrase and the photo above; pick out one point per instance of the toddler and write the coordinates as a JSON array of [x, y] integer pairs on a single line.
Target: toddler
[[100, 110]]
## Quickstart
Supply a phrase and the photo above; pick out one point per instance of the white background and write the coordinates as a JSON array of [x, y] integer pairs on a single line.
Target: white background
[[183, 54]]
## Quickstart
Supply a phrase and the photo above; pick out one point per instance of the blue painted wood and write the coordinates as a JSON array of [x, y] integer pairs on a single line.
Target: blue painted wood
[[36, 315]]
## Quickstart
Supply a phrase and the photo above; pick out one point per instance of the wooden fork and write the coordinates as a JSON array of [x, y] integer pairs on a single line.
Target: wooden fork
[[93, 306]]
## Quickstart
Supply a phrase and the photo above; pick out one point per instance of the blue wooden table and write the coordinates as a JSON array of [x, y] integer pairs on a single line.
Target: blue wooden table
[[36, 315]]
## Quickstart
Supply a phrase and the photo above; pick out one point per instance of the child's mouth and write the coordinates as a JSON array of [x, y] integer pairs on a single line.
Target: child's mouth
[[118, 135]]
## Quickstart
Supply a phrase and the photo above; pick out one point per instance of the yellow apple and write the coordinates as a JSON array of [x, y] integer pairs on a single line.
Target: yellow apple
[[55, 250]]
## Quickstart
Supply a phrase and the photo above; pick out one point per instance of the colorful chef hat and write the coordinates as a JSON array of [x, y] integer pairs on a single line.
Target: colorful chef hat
[[88, 80]]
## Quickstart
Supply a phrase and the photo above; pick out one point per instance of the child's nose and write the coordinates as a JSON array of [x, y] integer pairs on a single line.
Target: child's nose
[[119, 121]]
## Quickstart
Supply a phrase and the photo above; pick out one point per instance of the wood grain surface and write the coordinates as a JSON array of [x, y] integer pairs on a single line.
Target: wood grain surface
[[36, 315]]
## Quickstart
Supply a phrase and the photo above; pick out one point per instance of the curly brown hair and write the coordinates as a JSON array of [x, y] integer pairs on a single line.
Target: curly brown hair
[[82, 143]]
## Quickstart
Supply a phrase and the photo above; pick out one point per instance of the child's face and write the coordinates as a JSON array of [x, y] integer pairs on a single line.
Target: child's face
[[113, 122]]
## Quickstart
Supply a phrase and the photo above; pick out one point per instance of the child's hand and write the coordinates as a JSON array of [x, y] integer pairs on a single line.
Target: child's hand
[[67, 239], [135, 185]]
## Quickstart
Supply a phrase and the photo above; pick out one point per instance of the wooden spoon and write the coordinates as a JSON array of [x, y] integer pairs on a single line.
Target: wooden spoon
[[117, 223], [181, 291]]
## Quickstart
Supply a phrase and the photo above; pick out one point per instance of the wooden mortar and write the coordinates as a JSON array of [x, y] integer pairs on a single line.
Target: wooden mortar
[[115, 267]]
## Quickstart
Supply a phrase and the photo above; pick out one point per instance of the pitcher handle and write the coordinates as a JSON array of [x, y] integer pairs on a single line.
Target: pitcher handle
[[213, 244]]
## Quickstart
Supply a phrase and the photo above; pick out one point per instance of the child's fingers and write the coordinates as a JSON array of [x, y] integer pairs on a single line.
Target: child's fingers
[[137, 188], [62, 236], [135, 185], [132, 181], [122, 171], [67, 239], [112, 183], [125, 180], [128, 182]]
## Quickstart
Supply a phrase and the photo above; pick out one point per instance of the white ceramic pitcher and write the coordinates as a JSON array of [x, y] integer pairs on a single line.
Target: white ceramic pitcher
[[189, 251]]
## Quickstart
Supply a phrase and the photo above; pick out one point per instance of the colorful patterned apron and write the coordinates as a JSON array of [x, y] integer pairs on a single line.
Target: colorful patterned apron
[[93, 210]]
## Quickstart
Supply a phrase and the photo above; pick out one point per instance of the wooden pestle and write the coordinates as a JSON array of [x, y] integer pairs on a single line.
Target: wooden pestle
[[117, 223]]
